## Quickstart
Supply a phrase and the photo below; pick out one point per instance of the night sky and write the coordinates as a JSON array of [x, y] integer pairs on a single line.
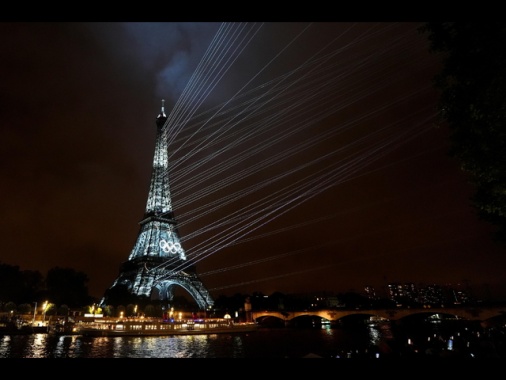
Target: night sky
[[304, 156]]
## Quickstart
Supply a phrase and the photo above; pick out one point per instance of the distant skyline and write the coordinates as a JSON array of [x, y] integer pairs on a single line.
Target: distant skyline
[[304, 157]]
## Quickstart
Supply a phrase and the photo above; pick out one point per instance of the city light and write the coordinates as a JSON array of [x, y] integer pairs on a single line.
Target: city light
[[34, 312], [44, 308]]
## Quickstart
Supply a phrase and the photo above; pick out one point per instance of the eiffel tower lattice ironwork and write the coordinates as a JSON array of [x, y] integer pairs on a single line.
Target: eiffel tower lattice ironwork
[[151, 271]]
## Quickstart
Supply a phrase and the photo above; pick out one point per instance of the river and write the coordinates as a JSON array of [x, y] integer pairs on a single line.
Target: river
[[373, 340]]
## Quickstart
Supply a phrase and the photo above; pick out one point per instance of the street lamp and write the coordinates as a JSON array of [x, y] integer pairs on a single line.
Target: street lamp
[[44, 311], [34, 312]]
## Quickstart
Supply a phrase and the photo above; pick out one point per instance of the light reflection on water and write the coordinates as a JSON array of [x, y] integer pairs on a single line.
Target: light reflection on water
[[370, 340], [263, 343]]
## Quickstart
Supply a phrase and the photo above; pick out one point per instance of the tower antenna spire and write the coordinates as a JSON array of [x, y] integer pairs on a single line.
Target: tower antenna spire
[[162, 112]]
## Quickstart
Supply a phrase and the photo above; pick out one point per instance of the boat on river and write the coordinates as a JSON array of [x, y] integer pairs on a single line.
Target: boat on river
[[20, 327], [161, 327]]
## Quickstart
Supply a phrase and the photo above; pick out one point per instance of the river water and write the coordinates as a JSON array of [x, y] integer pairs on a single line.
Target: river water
[[375, 340]]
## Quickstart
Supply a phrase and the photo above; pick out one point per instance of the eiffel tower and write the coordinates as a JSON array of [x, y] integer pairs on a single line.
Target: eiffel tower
[[153, 269]]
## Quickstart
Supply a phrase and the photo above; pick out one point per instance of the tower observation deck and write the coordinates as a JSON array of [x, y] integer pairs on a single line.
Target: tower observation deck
[[153, 269]]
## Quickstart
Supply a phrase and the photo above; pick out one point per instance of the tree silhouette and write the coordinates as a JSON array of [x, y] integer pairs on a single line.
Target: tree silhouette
[[67, 286], [19, 286], [473, 104]]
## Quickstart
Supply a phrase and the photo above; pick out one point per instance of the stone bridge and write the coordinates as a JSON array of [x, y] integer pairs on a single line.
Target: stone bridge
[[469, 313]]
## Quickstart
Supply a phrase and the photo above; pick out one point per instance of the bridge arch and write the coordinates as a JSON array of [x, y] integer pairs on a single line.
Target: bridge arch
[[471, 313]]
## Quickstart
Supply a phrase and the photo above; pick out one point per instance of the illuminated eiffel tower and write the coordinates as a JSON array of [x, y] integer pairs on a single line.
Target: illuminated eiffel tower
[[152, 271]]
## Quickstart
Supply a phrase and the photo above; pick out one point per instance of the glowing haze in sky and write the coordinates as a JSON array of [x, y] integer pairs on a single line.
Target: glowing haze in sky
[[303, 156]]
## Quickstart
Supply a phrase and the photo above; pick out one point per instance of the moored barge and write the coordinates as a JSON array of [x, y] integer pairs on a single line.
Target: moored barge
[[160, 327]]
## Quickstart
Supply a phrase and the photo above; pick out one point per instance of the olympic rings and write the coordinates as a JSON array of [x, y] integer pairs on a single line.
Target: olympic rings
[[169, 247]]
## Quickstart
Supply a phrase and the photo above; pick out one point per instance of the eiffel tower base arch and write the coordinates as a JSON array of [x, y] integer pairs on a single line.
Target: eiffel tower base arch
[[165, 289], [146, 279]]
